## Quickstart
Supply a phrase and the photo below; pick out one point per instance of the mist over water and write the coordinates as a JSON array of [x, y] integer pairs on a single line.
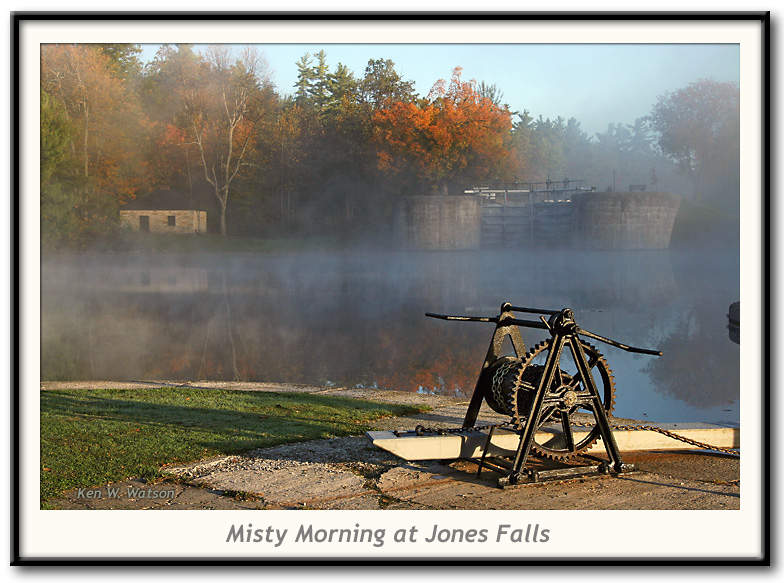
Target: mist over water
[[357, 318]]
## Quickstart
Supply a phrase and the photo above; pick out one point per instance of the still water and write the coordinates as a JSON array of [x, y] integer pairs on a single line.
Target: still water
[[356, 318]]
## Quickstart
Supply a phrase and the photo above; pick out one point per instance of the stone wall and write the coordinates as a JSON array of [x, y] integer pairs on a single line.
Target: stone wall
[[438, 222], [187, 221], [618, 220], [625, 220]]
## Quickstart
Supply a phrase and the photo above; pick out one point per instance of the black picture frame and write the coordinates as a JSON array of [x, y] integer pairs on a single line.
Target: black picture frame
[[17, 298]]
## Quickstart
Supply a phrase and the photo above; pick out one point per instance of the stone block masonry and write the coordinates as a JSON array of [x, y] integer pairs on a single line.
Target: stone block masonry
[[165, 221], [590, 220], [625, 220], [439, 222]]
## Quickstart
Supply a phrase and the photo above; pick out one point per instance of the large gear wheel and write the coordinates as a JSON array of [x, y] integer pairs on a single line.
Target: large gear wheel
[[510, 386], [564, 399]]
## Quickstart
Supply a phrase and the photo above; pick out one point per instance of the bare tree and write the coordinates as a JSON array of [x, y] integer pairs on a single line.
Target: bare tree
[[223, 117]]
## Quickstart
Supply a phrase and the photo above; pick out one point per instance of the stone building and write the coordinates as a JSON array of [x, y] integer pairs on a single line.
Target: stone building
[[165, 211]]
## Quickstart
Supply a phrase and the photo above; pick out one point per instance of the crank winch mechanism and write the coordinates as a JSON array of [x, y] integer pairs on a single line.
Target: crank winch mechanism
[[534, 390]]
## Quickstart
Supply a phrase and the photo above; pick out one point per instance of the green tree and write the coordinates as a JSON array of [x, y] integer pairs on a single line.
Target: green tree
[[492, 92], [539, 148], [334, 132], [382, 83], [59, 182], [314, 83], [320, 92], [305, 79], [123, 58], [56, 136], [577, 150], [107, 126], [174, 72], [699, 128], [342, 87]]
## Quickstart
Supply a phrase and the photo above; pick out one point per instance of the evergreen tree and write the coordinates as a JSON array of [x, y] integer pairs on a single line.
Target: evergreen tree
[[382, 82], [305, 79]]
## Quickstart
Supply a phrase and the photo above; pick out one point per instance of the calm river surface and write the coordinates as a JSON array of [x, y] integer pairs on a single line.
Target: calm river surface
[[358, 319]]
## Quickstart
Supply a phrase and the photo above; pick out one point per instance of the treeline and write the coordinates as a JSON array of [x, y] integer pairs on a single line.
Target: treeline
[[334, 156]]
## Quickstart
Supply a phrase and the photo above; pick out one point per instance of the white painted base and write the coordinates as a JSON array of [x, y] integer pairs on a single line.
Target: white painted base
[[471, 445]]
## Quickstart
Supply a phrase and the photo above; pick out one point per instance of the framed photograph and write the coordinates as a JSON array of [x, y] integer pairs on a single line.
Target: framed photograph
[[456, 284]]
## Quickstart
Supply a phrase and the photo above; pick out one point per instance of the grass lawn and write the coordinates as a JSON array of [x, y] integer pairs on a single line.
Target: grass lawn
[[91, 437]]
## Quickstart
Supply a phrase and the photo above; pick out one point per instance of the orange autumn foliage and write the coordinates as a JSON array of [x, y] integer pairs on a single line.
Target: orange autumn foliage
[[105, 115], [454, 136]]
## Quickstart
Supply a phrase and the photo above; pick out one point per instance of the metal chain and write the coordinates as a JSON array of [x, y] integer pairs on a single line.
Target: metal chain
[[669, 434], [421, 430], [498, 379]]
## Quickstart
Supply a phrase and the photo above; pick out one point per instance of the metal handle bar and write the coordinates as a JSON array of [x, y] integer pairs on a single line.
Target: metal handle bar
[[531, 310], [505, 308], [494, 319], [463, 318], [618, 344], [544, 326]]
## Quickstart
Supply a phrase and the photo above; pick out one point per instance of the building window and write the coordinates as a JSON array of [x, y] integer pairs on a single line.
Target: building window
[[171, 220]]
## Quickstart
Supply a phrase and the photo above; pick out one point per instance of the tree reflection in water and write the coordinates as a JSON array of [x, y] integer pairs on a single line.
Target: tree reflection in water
[[701, 367], [357, 318]]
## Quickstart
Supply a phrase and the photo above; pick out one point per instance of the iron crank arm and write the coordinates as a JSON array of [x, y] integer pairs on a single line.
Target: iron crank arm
[[542, 325], [618, 344], [506, 307], [493, 319], [510, 308]]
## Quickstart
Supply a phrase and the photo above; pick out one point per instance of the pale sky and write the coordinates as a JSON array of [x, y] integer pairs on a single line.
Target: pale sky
[[595, 83]]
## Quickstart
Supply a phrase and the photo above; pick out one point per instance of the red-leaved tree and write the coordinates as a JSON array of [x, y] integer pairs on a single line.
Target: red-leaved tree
[[454, 137]]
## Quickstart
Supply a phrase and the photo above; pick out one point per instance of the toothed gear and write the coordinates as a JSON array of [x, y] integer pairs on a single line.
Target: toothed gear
[[564, 394]]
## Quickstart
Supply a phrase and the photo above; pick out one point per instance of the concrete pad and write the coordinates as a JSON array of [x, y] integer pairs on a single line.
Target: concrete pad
[[692, 465], [291, 484], [412, 477], [185, 497], [504, 442], [639, 491], [193, 497], [673, 481]]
